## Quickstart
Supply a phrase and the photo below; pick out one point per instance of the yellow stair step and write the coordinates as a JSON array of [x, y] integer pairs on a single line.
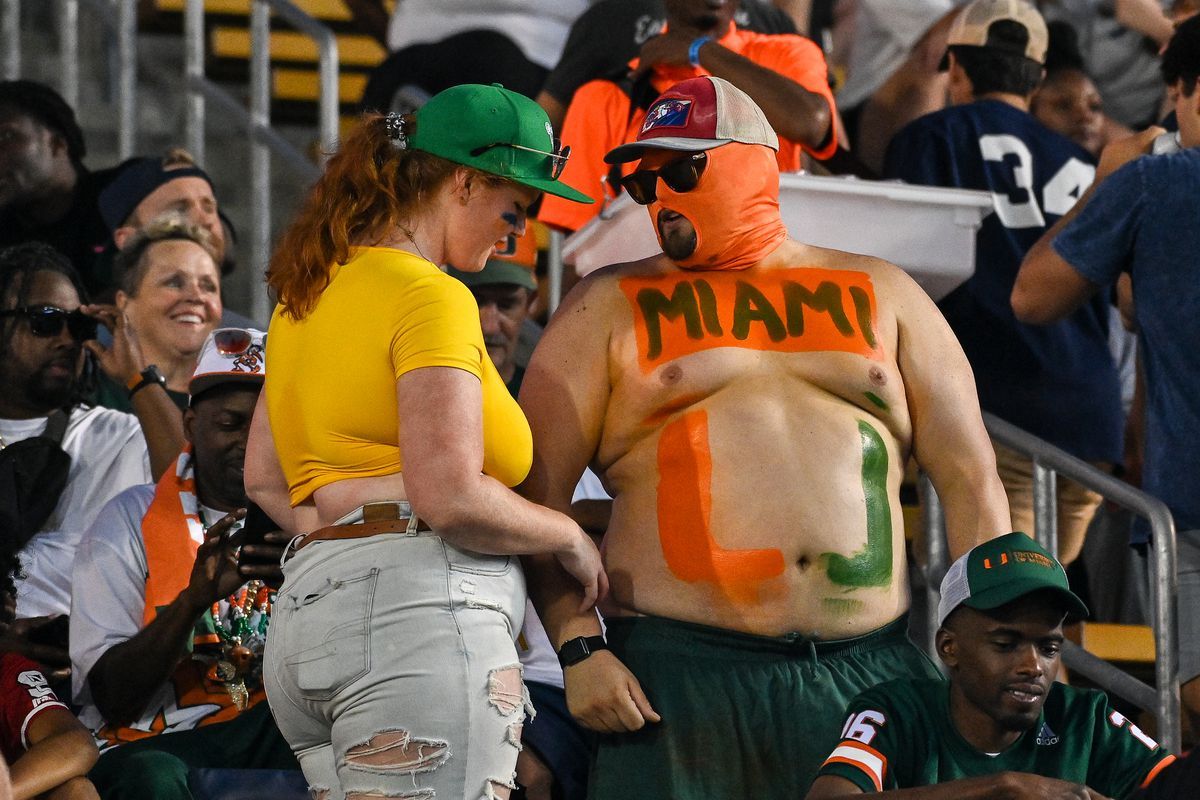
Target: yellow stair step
[[1131, 644], [302, 85], [353, 50], [334, 10]]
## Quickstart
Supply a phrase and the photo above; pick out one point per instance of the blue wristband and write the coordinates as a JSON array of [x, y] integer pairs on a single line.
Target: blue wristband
[[694, 50]]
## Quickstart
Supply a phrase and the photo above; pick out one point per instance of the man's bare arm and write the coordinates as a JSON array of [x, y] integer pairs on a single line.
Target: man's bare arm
[[1047, 287], [565, 396], [794, 112], [949, 439]]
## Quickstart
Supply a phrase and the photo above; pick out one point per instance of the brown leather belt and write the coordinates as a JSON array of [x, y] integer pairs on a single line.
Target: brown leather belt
[[377, 518]]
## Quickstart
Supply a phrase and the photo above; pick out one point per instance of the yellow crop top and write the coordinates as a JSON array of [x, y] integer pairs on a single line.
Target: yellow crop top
[[331, 389]]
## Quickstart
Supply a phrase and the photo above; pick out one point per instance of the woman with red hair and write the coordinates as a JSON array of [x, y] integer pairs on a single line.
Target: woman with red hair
[[389, 441]]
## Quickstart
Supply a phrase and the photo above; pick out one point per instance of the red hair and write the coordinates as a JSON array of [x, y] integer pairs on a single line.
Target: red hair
[[368, 188]]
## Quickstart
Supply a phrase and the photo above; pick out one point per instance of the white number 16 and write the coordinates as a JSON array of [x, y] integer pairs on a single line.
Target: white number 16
[[863, 726]]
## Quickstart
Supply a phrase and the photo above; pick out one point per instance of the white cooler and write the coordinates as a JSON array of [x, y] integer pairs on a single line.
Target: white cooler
[[927, 231]]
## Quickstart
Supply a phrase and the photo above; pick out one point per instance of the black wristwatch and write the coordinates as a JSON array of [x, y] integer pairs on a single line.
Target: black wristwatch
[[146, 377], [579, 648]]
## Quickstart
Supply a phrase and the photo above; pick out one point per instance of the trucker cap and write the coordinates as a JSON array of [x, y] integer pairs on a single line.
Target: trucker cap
[[230, 355], [496, 131], [699, 114], [973, 28], [1002, 570]]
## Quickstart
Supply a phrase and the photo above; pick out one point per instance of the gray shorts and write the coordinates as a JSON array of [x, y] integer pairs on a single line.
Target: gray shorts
[[1188, 549], [391, 670]]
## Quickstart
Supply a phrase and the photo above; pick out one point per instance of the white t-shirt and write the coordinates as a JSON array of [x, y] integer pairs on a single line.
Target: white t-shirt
[[109, 596], [538, 27], [108, 454]]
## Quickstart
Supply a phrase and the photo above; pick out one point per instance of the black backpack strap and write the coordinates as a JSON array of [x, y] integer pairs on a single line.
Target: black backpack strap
[[56, 427]]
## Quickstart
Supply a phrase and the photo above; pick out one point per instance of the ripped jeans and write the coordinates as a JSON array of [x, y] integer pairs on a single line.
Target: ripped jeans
[[391, 670]]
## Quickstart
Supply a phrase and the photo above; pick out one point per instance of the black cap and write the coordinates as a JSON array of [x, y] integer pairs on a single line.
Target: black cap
[[135, 180]]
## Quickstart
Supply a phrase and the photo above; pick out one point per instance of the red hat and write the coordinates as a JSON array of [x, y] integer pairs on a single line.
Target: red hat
[[699, 114]]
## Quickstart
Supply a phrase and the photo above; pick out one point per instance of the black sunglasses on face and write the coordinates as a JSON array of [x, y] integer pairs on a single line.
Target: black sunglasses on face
[[47, 321], [680, 175], [558, 158]]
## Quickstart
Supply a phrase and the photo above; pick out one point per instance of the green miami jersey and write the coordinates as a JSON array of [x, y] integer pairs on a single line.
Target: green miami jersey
[[899, 735]]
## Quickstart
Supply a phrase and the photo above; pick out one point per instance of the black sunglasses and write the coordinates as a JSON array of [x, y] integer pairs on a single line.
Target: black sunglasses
[[46, 321], [558, 158], [680, 175]]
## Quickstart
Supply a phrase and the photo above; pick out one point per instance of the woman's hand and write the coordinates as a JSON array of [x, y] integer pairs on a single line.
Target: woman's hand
[[123, 361], [582, 561]]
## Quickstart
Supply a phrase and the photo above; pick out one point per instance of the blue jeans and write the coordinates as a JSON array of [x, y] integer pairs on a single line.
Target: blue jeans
[[391, 669]]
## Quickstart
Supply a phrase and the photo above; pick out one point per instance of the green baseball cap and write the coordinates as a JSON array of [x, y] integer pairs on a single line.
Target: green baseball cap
[[496, 272], [496, 131], [1002, 570]]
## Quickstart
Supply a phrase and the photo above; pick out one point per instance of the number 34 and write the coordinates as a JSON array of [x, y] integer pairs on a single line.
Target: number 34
[[1020, 208]]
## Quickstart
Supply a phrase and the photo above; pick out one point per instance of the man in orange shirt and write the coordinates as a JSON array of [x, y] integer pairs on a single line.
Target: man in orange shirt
[[784, 74]]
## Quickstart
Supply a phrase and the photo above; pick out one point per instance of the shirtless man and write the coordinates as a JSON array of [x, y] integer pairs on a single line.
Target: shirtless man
[[750, 402]]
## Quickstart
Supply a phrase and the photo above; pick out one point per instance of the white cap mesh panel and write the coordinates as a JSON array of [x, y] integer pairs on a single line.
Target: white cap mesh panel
[[739, 118], [955, 589]]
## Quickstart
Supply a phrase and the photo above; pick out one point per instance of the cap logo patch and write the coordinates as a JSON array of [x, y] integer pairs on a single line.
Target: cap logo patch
[[1021, 556], [669, 113], [249, 361]]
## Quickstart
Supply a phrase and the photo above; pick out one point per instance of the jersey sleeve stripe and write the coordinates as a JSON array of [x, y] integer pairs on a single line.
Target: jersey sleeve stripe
[[867, 759], [33, 713], [1159, 767]]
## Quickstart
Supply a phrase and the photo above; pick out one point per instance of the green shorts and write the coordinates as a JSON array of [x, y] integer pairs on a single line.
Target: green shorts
[[742, 715]]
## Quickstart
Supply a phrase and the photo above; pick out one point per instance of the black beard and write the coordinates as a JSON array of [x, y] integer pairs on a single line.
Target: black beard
[[678, 245], [47, 393]]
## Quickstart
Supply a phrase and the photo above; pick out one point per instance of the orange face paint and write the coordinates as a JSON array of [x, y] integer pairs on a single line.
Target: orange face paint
[[804, 310], [684, 517], [734, 209]]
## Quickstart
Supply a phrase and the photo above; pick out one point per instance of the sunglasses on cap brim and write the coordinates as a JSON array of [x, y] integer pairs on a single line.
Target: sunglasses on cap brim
[[558, 157], [681, 175], [234, 341], [48, 321]]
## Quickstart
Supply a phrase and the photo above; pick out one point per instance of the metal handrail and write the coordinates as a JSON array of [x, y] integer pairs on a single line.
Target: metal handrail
[[263, 140], [1049, 462], [10, 31], [67, 12]]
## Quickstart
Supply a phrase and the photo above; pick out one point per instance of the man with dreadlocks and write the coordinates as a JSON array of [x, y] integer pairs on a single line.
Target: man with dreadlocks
[[60, 460], [46, 193]]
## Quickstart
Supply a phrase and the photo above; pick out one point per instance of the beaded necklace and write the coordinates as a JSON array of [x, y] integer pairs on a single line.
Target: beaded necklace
[[240, 622]]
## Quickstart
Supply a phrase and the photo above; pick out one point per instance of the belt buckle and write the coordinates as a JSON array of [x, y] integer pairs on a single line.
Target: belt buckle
[[381, 512]]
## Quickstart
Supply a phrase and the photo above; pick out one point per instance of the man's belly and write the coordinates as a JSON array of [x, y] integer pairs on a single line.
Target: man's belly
[[768, 512]]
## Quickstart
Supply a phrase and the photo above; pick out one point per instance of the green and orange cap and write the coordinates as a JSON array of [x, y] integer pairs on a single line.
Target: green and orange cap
[[496, 131], [1002, 570]]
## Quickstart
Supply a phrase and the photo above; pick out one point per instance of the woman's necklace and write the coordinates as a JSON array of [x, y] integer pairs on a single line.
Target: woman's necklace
[[409, 234]]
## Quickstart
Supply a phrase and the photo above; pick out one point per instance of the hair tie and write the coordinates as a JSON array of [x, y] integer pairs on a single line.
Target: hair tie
[[396, 127]]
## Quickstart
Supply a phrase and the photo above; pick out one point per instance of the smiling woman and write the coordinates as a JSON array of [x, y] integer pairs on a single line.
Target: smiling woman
[[168, 302]]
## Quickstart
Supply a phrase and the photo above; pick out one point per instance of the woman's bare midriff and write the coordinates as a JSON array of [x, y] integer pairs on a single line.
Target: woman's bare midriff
[[335, 500]]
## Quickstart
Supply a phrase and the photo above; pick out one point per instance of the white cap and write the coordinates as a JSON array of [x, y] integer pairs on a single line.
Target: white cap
[[230, 355]]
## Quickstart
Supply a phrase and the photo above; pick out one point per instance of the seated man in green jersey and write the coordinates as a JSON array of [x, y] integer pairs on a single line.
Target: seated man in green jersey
[[1001, 727]]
